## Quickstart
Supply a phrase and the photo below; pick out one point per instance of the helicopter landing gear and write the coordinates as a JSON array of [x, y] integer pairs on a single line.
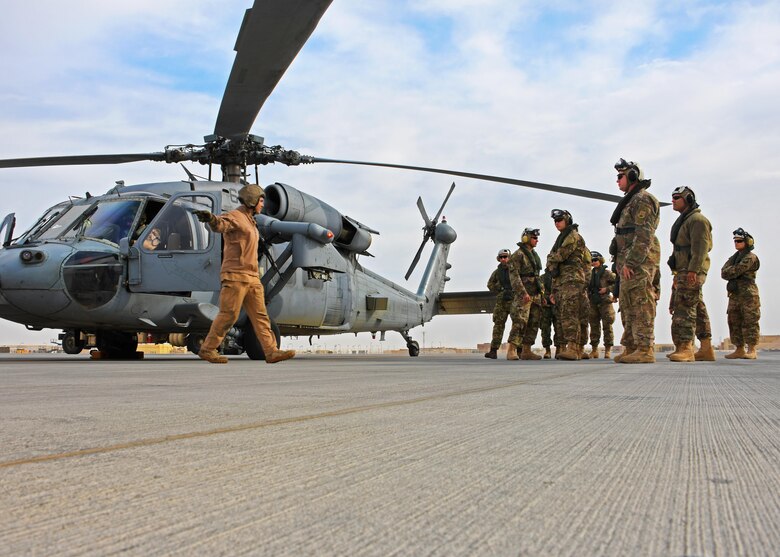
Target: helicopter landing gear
[[72, 343], [412, 345], [252, 346], [116, 345], [194, 342]]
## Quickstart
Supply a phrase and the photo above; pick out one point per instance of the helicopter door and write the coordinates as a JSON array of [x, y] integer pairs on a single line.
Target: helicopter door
[[8, 224], [176, 252]]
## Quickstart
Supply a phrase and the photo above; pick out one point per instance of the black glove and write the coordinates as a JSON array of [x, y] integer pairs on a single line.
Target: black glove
[[203, 216]]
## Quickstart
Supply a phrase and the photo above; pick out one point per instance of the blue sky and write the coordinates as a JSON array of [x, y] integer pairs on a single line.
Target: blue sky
[[553, 93]]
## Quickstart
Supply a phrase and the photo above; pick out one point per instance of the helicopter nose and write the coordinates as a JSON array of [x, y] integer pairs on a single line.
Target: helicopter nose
[[31, 283]]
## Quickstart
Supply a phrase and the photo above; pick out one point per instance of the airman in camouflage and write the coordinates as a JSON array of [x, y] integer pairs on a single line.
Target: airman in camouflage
[[638, 255], [524, 268], [691, 239], [744, 310], [500, 284], [566, 262], [601, 313]]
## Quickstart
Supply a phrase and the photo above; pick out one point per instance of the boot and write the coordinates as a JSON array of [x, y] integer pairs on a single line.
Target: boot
[[751, 353], [594, 351], [280, 356], [583, 355], [511, 352], [626, 351], [684, 353], [570, 352], [547, 353], [558, 349], [675, 352], [212, 356], [492, 354], [607, 350], [642, 355], [739, 352], [705, 352], [528, 354]]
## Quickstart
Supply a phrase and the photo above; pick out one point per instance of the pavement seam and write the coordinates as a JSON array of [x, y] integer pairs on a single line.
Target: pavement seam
[[271, 423]]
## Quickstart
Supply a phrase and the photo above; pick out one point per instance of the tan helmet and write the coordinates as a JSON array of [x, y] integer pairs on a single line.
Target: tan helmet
[[250, 194]]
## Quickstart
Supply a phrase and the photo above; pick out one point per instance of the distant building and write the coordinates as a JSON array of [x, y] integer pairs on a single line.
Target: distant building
[[766, 342]]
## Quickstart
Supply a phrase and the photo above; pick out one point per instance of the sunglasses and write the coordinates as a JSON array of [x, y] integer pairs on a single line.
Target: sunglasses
[[619, 176], [503, 257], [676, 197], [558, 220], [739, 241]]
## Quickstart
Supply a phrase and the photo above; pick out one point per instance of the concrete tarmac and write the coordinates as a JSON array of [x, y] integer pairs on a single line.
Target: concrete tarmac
[[380, 455]]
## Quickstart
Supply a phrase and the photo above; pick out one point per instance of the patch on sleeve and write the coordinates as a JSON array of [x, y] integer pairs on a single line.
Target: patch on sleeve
[[641, 216]]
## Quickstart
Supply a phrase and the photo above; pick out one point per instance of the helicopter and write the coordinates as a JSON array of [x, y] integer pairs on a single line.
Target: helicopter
[[135, 259]]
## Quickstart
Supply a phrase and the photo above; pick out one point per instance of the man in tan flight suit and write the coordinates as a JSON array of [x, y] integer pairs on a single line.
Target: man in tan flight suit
[[240, 278]]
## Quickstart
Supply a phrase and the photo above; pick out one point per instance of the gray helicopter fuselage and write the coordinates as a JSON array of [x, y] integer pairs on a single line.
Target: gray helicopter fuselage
[[87, 265]]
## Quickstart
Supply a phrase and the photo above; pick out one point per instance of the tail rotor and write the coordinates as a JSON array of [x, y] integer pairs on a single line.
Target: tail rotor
[[428, 230]]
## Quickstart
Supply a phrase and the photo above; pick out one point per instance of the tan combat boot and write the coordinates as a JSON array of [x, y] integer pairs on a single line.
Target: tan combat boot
[[705, 352], [751, 353], [594, 351], [642, 355], [212, 356], [626, 351], [511, 352], [528, 354], [547, 353], [280, 356], [558, 349], [607, 350], [570, 352], [583, 355], [739, 352], [684, 353]]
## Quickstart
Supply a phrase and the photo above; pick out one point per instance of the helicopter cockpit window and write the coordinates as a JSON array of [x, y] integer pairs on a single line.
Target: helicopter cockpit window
[[176, 228], [48, 218], [73, 214], [107, 220]]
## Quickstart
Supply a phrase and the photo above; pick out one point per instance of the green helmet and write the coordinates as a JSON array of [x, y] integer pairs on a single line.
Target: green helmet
[[250, 194]]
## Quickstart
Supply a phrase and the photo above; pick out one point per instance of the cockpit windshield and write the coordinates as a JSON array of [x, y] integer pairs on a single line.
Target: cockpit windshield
[[103, 220]]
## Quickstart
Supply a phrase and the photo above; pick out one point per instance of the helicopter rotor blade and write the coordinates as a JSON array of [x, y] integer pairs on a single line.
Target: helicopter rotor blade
[[271, 35], [81, 159], [449, 193], [417, 255], [424, 214], [525, 183]]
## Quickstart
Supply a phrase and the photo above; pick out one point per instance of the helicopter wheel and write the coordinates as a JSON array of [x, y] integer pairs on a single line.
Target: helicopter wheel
[[252, 345], [116, 344], [414, 348], [194, 342], [72, 343]]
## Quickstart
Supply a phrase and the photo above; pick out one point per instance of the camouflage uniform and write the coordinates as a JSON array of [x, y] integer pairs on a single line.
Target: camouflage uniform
[[549, 319], [524, 268], [500, 284], [744, 310], [567, 266], [638, 248], [692, 244], [601, 311]]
